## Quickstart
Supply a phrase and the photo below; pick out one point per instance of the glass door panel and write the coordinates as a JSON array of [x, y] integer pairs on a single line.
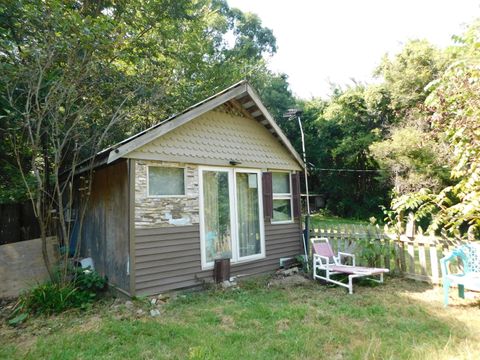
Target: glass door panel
[[216, 207], [248, 214]]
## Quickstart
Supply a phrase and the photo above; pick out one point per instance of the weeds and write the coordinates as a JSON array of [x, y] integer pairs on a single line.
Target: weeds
[[50, 298]]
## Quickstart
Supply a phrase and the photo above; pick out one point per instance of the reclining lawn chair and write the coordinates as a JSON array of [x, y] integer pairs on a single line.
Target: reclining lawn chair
[[324, 260]]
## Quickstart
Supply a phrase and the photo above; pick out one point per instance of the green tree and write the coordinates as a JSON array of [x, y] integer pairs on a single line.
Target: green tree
[[453, 104], [344, 128], [407, 74], [409, 152], [78, 76], [170, 54], [411, 159]]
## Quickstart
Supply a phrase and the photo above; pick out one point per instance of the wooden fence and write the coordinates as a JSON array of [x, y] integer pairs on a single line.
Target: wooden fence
[[17, 223], [416, 258]]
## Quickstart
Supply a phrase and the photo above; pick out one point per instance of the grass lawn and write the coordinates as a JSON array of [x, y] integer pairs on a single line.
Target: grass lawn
[[399, 320], [318, 220]]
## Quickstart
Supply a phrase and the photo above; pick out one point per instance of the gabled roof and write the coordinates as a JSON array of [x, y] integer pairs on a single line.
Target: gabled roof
[[240, 95]]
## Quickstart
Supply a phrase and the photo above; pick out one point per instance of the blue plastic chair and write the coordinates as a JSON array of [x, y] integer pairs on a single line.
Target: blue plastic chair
[[468, 277]]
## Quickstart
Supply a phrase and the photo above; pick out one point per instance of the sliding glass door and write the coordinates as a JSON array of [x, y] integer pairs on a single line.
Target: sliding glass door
[[248, 214], [231, 219], [217, 227]]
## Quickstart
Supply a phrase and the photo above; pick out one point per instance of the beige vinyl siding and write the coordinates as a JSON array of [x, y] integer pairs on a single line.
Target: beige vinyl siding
[[215, 138], [168, 258]]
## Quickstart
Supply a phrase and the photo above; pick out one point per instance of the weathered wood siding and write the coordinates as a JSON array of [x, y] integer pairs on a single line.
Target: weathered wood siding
[[168, 258], [105, 235]]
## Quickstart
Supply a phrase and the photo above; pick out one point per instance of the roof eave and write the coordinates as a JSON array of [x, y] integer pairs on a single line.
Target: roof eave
[[235, 91], [190, 113], [252, 93]]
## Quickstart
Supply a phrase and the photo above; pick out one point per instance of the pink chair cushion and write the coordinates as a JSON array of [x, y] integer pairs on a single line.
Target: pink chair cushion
[[323, 249], [347, 269]]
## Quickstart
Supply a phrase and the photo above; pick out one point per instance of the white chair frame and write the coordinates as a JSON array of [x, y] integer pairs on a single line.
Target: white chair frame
[[324, 263]]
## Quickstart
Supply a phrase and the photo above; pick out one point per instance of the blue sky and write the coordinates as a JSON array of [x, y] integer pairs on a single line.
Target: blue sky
[[332, 41]]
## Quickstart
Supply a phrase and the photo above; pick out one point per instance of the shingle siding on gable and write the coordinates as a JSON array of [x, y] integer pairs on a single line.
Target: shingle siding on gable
[[217, 137]]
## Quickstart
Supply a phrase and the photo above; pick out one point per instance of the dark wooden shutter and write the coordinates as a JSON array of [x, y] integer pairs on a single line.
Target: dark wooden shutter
[[297, 207], [267, 195]]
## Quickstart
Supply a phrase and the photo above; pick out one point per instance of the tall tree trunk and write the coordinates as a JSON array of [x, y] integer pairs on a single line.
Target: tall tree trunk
[[43, 237]]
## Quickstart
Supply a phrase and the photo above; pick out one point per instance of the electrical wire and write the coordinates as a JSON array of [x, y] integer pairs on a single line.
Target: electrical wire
[[376, 170]]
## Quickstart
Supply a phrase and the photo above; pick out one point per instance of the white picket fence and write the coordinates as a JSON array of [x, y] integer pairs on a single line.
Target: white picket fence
[[416, 258]]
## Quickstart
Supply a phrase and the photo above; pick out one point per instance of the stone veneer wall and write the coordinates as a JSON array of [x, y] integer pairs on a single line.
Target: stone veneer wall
[[169, 211]]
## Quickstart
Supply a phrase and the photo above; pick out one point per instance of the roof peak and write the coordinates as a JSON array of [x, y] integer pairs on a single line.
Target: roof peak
[[237, 92]]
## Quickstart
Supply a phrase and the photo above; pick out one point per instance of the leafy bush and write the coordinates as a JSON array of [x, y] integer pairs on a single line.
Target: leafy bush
[[89, 280], [50, 298], [54, 297], [372, 251], [305, 266]]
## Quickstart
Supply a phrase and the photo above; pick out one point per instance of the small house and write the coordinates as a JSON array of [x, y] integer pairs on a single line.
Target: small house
[[219, 179]]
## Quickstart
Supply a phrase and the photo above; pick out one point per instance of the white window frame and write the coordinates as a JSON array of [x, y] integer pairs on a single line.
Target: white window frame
[[232, 188], [283, 196], [261, 255], [167, 196]]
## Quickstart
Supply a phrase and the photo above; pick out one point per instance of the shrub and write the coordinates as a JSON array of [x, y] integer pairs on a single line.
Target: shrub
[[50, 298], [371, 251], [89, 280], [305, 266]]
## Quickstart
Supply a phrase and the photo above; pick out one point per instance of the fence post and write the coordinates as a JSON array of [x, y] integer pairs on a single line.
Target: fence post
[[386, 242], [403, 262], [434, 261], [423, 260], [411, 257]]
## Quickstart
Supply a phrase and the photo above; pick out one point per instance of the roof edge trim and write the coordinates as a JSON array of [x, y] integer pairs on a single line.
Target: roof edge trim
[[274, 125], [181, 119]]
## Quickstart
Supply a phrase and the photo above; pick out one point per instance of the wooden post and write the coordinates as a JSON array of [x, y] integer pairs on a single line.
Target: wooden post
[[131, 226], [403, 262], [398, 264], [421, 255], [411, 257], [386, 244], [434, 263], [336, 237]]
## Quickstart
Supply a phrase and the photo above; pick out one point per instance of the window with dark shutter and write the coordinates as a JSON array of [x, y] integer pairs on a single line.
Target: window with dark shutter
[[297, 210]]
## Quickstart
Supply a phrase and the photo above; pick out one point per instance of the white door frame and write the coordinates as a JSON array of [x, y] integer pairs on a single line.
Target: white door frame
[[232, 186]]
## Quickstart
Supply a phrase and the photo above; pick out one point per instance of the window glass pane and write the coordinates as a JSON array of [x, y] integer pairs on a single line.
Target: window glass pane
[[248, 214], [166, 181], [216, 203], [282, 210], [281, 183]]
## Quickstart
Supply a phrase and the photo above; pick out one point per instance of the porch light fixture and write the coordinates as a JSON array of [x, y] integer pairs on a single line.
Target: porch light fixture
[[234, 162], [291, 114]]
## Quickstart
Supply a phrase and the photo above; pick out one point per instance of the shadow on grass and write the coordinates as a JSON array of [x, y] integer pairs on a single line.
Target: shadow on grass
[[399, 320]]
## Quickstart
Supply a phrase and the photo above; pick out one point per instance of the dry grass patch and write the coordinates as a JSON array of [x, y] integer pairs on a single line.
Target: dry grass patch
[[401, 320]]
